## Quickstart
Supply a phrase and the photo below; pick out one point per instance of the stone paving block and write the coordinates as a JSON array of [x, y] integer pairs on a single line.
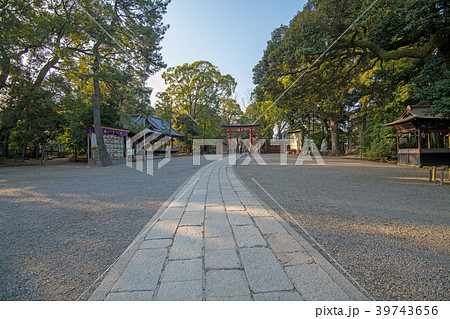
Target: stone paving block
[[248, 236], [239, 218], [197, 199], [193, 218], [178, 202], [163, 229], [172, 213], [295, 258], [269, 225], [283, 243], [187, 188], [227, 199], [195, 206], [234, 206], [247, 199], [155, 243], [217, 227], [251, 202], [188, 243], [214, 202], [263, 271], [258, 211], [143, 271], [180, 291], [222, 259], [314, 284], [242, 192], [184, 195], [215, 212], [185, 199], [200, 190], [218, 243], [226, 284], [239, 188], [183, 270], [130, 296], [228, 193], [278, 296], [234, 298], [227, 190], [234, 180]]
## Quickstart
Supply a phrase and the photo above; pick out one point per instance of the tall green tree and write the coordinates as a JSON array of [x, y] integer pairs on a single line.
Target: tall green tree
[[123, 30], [230, 111], [35, 37], [195, 94], [411, 36]]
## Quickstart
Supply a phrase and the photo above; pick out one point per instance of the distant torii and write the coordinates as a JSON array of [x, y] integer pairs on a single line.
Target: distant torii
[[241, 128]]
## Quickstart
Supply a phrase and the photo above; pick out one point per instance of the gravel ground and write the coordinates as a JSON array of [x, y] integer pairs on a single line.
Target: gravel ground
[[63, 224], [386, 225]]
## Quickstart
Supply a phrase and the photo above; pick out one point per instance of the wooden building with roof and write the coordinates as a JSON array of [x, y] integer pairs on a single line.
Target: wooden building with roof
[[422, 139]]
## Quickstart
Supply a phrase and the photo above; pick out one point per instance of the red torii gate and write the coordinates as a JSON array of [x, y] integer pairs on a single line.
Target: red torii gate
[[241, 128]]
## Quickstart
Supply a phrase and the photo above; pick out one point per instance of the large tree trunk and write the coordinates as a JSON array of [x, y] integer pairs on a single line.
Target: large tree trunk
[[4, 146], [335, 146], [102, 153], [43, 153], [24, 150]]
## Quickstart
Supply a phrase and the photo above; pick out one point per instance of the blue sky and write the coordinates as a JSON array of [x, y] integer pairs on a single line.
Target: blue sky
[[231, 34]]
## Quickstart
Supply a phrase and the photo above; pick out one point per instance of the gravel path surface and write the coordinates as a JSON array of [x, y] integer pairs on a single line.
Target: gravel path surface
[[63, 224], [386, 225]]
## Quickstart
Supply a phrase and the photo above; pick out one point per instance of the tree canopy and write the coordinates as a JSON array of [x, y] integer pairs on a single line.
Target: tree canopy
[[64, 59], [199, 98], [342, 57]]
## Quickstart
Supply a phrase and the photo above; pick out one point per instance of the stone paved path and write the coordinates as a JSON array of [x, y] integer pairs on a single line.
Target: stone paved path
[[215, 241]]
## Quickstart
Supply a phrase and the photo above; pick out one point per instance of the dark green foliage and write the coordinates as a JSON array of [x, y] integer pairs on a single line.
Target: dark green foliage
[[197, 100], [396, 54], [46, 67]]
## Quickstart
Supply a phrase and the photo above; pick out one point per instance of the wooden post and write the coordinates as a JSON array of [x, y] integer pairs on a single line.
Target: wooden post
[[430, 177], [88, 147], [419, 146], [429, 141], [441, 180], [418, 140], [398, 143], [229, 141]]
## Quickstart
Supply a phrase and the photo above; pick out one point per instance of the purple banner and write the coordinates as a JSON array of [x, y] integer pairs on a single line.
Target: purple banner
[[107, 130]]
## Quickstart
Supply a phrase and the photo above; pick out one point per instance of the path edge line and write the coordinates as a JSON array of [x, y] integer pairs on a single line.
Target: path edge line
[[110, 278], [349, 288]]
